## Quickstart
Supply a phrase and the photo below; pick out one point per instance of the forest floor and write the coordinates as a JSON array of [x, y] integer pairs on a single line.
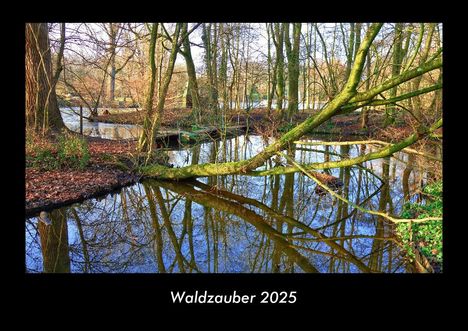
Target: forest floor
[[48, 189]]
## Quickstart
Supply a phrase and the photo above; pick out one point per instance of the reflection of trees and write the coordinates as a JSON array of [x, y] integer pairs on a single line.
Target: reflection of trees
[[226, 223], [376, 259], [54, 243], [215, 202], [233, 204]]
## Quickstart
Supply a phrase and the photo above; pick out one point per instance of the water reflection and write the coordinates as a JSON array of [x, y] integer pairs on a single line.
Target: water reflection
[[233, 223], [113, 131]]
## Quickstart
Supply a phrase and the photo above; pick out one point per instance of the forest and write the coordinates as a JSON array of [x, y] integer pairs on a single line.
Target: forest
[[233, 147]]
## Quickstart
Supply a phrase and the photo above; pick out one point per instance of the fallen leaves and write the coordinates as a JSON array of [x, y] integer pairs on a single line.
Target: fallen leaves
[[50, 188]]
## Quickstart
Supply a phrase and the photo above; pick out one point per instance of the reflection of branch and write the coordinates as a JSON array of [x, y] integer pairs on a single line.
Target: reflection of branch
[[82, 239], [280, 217], [357, 236], [217, 203], [385, 215]]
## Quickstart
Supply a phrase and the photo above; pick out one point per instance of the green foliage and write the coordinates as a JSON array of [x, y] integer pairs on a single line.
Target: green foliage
[[43, 159], [107, 157], [73, 151], [427, 235], [195, 127], [187, 137], [69, 152], [287, 127]]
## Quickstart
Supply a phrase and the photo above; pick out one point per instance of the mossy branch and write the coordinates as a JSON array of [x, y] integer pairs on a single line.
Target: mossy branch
[[228, 168], [381, 153], [397, 80], [364, 210]]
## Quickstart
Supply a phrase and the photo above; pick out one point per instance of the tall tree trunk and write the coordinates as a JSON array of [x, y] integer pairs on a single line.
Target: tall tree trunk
[[223, 68], [416, 101], [113, 30], [292, 52], [390, 116], [210, 59], [350, 51], [156, 118], [192, 76], [279, 42], [143, 142], [42, 112], [365, 109]]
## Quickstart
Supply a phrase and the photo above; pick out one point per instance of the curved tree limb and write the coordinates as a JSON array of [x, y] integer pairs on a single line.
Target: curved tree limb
[[364, 210]]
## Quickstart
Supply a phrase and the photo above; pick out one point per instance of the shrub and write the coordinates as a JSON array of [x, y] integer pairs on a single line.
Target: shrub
[[428, 235], [70, 151]]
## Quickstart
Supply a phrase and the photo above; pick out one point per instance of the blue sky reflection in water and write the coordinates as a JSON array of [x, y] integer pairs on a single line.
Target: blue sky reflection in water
[[251, 225]]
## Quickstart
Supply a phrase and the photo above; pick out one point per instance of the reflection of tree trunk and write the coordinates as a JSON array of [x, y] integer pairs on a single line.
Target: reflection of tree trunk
[[84, 244], [157, 230], [188, 220], [406, 176], [342, 214], [377, 250], [287, 204], [54, 243], [126, 218], [170, 230], [251, 217], [280, 217], [276, 180]]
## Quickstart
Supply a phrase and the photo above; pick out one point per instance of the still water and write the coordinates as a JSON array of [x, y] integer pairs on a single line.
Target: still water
[[113, 131], [233, 223]]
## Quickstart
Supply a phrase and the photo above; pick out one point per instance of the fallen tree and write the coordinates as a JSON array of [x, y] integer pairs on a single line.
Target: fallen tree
[[349, 98]]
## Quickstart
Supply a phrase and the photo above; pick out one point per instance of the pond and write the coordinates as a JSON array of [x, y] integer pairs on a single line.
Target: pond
[[71, 118], [236, 223]]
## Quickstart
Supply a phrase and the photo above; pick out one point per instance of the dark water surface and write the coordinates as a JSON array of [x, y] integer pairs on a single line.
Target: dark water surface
[[233, 223]]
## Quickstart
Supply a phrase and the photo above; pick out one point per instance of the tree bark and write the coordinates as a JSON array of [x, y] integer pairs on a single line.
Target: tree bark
[[153, 119], [42, 112], [192, 76], [292, 52], [143, 142], [278, 40]]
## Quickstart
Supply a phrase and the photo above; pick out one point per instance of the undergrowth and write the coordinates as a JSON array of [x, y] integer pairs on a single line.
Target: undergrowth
[[427, 235]]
